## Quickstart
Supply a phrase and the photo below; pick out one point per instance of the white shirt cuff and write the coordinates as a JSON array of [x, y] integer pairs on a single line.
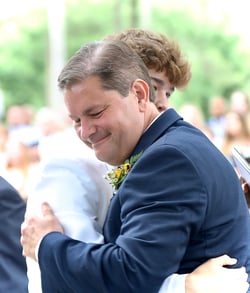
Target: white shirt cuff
[[174, 284]]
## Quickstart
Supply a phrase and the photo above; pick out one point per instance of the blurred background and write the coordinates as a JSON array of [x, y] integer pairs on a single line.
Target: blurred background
[[38, 36]]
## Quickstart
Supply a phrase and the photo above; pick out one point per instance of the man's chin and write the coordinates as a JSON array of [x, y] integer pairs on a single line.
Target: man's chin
[[108, 158]]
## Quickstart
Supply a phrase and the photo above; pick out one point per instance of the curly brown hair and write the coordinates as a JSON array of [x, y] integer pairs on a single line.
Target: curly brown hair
[[158, 53]]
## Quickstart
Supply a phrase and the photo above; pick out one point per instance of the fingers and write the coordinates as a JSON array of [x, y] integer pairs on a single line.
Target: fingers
[[236, 273], [25, 231], [224, 260], [35, 228], [46, 209]]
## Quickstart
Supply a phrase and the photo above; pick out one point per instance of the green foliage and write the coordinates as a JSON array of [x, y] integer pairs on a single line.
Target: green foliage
[[87, 24], [93, 23], [22, 63]]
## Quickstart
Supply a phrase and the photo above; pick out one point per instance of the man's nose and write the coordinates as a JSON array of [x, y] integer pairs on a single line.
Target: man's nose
[[161, 101], [162, 105], [86, 129]]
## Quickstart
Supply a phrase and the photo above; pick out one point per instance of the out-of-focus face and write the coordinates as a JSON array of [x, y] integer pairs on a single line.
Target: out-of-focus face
[[107, 122], [218, 107], [163, 89], [233, 125], [16, 153], [239, 103]]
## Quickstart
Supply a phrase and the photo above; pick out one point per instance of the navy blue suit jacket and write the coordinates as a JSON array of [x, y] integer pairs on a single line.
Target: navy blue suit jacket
[[13, 272], [180, 204]]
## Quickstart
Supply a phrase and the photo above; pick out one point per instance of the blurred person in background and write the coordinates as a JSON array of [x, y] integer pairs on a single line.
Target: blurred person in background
[[15, 119], [13, 271], [21, 126], [194, 115], [19, 170], [20, 123], [236, 135], [239, 102], [216, 120]]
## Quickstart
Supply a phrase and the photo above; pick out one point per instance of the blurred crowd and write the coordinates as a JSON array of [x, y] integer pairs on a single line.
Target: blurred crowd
[[228, 123], [26, 135], [23, 137]]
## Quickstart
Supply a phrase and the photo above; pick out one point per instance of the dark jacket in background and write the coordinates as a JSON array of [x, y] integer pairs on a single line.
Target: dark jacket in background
[[13, 273]]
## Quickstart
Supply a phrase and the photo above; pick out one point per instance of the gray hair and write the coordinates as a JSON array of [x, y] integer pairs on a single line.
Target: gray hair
[[114, 62]]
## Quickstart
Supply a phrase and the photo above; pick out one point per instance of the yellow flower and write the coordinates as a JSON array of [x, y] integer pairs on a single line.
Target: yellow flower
[[117, 175], [127, 167], [118, 172]]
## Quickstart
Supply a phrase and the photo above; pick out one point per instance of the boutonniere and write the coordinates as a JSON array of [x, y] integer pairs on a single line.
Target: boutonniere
[[117, 175]]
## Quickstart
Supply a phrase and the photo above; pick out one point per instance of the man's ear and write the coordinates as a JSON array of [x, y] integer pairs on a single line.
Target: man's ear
[[141, 90]]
